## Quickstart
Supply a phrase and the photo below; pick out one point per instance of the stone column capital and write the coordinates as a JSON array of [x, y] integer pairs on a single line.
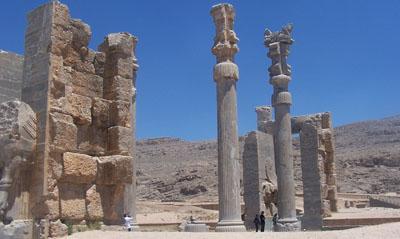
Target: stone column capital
[[226, 71], [225, 40]]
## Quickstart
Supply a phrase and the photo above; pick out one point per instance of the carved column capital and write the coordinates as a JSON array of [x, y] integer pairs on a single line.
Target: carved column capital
[[225, 40]]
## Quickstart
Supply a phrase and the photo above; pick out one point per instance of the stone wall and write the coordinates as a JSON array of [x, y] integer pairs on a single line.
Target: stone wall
[[254, 175], [83, 99], [11, 66]]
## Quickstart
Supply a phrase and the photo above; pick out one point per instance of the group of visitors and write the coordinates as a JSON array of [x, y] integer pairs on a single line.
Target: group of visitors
[[259, 221]]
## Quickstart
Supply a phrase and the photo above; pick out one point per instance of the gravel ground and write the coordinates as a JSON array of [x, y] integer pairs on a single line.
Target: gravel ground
[[385, 231]]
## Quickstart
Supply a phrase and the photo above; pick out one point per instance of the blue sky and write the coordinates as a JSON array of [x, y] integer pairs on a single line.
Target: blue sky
[[345, 59]]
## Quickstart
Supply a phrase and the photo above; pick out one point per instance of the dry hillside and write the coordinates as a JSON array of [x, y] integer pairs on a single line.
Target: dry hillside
[[367, 153]]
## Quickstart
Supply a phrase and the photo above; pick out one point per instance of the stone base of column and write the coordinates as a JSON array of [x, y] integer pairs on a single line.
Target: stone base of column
[[287, 225], [230, 226], [195, 227]]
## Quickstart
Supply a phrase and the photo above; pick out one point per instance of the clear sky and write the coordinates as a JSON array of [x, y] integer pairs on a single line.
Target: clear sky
[[345, 59]]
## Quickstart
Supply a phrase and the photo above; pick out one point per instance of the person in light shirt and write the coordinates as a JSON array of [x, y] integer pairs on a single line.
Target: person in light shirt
[[128, 222]]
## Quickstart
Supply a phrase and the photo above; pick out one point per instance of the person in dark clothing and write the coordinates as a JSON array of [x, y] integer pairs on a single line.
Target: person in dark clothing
[[262, 221], [256, 222]]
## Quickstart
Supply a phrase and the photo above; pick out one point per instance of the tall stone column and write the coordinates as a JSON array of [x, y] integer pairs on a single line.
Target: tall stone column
[[226, 74], [280, 76]]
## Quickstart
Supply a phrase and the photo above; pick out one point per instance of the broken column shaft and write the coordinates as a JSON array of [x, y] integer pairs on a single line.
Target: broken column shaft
[[280, 76], [225, 75]]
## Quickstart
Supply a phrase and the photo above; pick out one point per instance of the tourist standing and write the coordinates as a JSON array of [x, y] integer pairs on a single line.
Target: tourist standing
[[262, 221], [256, 222], [128, 222]]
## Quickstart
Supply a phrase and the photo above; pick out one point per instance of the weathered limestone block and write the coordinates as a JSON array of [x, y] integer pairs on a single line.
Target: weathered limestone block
[[18, 135], [18, 229], [61, 32], [101, 112], [50, 209], [98, 62], [63, 132], [60, 77], [94, 204], [120, 114], [85, 84], [119, 66], [117, 88], [61, 15], [113, 209], [79, 168], [72, 199], [119, 140], [115, 169], [57, 229], [81, 34], [80, 108], [92, 140], [55, 169], [119, 44]]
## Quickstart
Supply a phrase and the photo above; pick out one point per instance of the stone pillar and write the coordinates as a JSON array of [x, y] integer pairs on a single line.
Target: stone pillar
[[119, 86], [226, 74], [280, 75], [254, 175], [35, 87], [310, 166], [328, 141], [264, 118]]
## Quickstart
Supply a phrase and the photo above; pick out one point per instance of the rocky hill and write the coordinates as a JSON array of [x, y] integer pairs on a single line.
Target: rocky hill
[[367, 154]]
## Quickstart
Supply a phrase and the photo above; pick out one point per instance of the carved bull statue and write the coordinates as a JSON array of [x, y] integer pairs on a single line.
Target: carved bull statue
[[18, 133]]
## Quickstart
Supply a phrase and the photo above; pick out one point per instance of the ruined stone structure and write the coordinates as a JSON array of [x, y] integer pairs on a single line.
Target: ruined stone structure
[[318, 167], [259, 177], [82, 169], [226, 74], [254, 155], [18, 134], [280, 76], [11, 66]]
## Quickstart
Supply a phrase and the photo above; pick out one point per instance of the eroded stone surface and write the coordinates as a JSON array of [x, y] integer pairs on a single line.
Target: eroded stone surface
[[226, 74], [18, 135], [79, 168], [114, 169], [57, 229], [83, 99], [278, 44]]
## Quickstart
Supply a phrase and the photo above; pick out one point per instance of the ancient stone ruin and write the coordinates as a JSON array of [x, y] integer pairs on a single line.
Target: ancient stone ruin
[[226, 73], [82, 166], [67, 133], [271, 145], [280, 76], [318, 167]]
